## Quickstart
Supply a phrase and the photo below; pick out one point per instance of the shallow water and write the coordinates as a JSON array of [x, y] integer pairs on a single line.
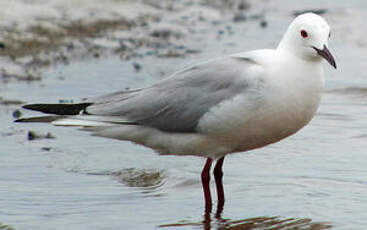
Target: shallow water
[[314, 179]]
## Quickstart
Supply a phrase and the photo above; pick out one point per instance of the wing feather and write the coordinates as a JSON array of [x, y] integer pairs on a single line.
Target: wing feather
[[177, 103]]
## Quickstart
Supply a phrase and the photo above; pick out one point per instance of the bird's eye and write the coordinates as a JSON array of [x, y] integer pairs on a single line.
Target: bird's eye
[[329, 34], [304, 34]]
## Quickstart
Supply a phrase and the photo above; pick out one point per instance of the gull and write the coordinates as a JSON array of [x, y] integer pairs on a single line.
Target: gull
[[211, 109]]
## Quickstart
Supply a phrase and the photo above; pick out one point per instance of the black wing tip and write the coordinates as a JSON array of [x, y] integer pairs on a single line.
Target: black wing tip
[[32, 106], [58, 109]]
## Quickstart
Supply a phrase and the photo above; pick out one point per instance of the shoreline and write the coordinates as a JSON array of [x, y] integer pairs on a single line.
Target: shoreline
[[59, 33]]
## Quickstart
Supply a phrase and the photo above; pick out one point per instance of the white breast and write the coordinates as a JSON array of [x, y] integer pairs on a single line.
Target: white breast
[[290, 102], [283, 104]]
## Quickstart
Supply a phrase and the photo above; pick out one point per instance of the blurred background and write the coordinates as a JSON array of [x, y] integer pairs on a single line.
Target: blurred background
[[62, 178]]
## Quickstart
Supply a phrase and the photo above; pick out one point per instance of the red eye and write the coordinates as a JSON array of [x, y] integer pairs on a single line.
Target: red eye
[[304, 34]]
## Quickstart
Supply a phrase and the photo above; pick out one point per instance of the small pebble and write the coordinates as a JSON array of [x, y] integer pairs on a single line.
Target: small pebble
[[137, 66], [164, 33], [263, 24], [31, 135], [180, 47], [220, 32], [193, 51], [239, 17], [17, 113], [66, 101], [243, 5], [49, 136]]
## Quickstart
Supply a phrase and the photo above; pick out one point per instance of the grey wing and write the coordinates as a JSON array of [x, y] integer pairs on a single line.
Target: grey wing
[[177, 103]]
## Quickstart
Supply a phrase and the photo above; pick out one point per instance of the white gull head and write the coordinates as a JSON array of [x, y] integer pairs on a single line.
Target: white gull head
[[307, 37]]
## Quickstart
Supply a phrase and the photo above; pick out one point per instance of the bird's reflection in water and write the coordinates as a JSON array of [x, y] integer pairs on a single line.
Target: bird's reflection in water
[[258, 223]]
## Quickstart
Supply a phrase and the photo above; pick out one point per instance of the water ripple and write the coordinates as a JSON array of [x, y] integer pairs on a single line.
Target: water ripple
[[151, 179], [256, 223], [350, 91]]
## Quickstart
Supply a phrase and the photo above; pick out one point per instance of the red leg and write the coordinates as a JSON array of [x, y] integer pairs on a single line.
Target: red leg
[[205, 179], [218, 175]]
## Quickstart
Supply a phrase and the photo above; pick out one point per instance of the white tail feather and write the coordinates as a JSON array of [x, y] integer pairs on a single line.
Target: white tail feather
[[90, 121], [76, 122]]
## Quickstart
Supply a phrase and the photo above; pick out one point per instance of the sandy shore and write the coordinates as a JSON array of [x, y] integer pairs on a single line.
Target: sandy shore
[[52, 32]]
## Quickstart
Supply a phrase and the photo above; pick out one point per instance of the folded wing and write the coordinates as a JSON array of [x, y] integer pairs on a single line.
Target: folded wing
[[174, 104]]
